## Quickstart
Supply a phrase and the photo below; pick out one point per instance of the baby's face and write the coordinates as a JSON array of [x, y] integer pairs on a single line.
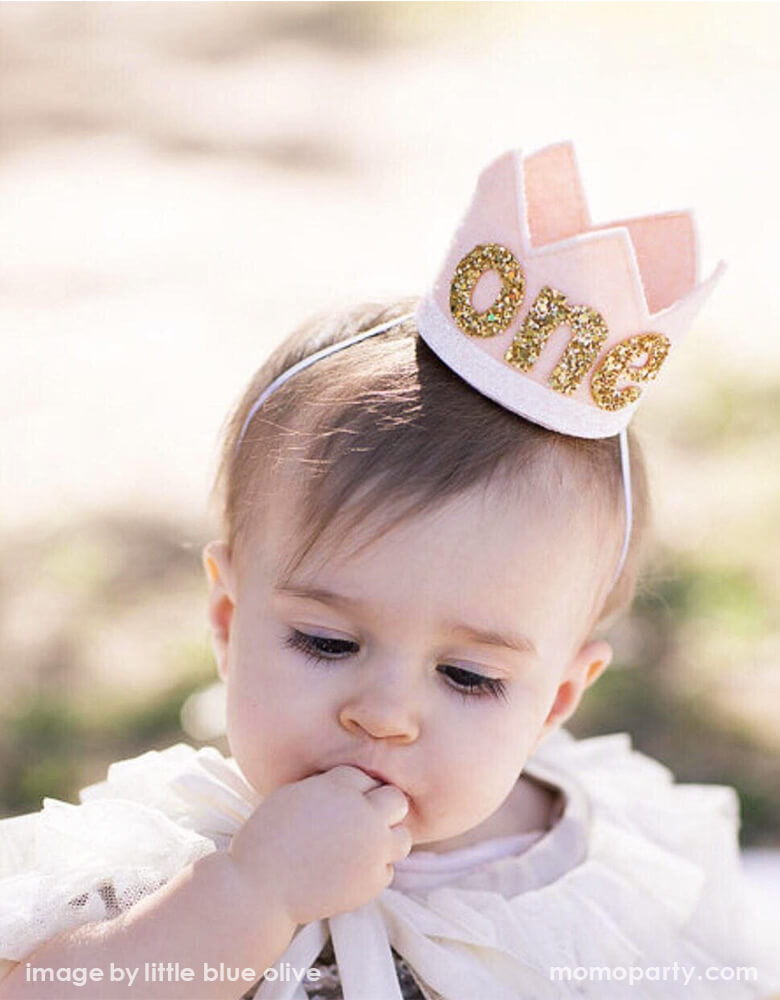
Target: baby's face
[[436, 657]]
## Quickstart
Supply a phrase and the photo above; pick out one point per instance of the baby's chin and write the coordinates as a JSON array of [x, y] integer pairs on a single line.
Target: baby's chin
[[451, 832], [438, 837]]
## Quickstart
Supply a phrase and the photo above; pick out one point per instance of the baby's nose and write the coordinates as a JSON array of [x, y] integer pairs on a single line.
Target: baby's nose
[[387, 710]]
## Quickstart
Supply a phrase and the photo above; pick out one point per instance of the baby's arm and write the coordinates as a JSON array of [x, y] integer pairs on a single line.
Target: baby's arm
[[314, 848], [203, 914]]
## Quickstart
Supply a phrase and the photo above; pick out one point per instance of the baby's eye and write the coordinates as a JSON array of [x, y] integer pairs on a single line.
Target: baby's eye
[[321, 647], [473, 685]]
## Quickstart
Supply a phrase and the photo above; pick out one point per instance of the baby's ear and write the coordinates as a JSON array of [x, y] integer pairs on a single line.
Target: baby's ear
[[585, 669], [219, 569]]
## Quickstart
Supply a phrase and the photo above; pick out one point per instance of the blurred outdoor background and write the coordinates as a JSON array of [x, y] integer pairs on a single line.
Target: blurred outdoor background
[[181, 184]]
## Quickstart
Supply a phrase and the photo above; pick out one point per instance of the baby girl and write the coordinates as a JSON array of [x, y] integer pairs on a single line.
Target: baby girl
[[430, 511]]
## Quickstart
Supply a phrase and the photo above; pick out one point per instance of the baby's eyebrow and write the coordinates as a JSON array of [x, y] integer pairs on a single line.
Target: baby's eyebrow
[[487, 637], [319, 594]]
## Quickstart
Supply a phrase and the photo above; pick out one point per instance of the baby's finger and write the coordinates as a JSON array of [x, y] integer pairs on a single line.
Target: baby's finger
[[390, 801], [352, 777], [401, 843]]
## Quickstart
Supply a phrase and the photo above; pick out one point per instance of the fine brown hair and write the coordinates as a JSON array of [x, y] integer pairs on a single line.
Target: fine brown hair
[[384, 426]]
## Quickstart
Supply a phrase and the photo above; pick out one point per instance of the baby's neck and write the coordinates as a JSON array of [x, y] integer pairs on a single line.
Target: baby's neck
[[530, 806]]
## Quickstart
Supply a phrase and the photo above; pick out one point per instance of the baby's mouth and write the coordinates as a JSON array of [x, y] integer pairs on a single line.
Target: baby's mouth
[[377, 775]]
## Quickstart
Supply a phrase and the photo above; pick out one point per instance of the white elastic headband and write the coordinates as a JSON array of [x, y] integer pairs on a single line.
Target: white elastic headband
[[317, 356], [625, 466], [341, 344]]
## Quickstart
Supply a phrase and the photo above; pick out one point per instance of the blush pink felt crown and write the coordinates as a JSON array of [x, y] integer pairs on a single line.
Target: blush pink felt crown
[[552, 317]]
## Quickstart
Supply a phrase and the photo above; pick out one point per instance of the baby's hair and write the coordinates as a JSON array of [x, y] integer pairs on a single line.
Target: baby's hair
[[405, 434]]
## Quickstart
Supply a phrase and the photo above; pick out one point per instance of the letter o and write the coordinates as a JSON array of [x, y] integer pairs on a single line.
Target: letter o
[[483, 258]]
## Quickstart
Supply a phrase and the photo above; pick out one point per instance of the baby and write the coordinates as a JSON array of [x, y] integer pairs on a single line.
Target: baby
[[417, 558]]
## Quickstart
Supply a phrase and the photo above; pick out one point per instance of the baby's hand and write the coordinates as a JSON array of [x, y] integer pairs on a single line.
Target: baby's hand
[[324, 845]]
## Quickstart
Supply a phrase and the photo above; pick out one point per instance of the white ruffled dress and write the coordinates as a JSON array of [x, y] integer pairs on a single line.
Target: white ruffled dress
[[638, 880]]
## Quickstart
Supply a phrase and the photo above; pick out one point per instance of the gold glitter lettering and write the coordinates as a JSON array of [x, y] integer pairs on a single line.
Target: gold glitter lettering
[[549, 311], [496, 319], [590, 331], [648, 349]]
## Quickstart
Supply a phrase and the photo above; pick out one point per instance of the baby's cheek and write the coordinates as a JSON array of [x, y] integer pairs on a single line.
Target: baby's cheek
[[461, 800], [495, 761], [251, 740]]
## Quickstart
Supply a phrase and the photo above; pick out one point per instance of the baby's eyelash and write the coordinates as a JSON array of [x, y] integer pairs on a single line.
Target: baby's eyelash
[[318, 648], [470, 684]]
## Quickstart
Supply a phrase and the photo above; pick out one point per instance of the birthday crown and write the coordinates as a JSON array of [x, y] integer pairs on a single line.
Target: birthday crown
[[552, 317]]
